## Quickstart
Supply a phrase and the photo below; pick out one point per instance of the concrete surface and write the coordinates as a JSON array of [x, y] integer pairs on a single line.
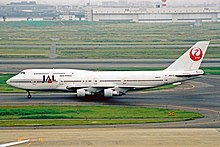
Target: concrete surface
[[100, 137]]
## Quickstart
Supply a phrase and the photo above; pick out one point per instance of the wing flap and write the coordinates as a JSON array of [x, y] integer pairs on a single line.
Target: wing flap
[[105, 86]]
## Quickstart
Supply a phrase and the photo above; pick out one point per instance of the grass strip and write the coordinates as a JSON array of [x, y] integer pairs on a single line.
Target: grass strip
[[104, 33], [40, 32], [91, 52], [4, 87], [211, 70], [88, 115]]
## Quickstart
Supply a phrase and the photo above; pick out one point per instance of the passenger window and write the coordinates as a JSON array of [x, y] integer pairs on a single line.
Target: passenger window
[[22, 72]]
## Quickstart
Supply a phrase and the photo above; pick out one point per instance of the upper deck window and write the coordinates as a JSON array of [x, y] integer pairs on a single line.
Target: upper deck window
[[41, 73], [22, 72]]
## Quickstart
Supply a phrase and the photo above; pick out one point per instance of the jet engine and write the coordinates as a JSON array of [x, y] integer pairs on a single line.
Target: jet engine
[[110, 93], [80, 93]]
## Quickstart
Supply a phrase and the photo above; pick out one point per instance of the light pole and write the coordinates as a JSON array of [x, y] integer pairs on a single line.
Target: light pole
[[53, 50]]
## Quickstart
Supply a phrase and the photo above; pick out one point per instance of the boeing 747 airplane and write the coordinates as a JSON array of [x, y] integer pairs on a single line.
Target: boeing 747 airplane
[[110, 83]]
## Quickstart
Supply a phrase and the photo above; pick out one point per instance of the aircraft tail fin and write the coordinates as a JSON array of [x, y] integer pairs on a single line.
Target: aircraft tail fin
[[191, 59]]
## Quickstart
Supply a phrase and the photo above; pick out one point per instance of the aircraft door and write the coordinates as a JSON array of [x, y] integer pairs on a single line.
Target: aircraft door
[[34, 82], [61, 81], [124, 81], [169, 79], [95, 81], [165, 80]]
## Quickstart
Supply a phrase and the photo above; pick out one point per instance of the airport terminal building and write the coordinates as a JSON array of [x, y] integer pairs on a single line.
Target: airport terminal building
[[153, 14]]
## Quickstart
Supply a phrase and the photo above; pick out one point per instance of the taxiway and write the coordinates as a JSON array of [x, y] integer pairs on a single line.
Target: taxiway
[[200, 95]]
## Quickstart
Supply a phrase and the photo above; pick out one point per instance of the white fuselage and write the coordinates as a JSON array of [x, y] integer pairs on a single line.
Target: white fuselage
[[70, 79]]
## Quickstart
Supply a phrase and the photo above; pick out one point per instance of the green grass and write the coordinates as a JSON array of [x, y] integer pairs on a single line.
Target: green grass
[[4, 87], [102, 33], [164, 87], [211, 70], [79, 115], [102, 53]]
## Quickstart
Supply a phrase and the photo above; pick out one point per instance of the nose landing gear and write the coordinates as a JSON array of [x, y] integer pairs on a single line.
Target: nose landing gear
[[29, 95]]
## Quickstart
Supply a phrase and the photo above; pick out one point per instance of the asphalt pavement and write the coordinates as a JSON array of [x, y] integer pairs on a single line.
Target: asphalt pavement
[[201, 95]]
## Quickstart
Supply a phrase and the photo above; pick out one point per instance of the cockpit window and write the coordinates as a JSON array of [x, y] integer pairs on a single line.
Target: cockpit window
[[22, 72]]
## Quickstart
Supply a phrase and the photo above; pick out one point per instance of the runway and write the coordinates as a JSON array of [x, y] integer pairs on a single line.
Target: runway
[[200, 95], [16, 65]]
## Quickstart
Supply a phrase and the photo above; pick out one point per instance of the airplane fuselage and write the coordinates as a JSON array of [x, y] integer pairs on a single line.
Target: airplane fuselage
[[111, 83], [92, 81]]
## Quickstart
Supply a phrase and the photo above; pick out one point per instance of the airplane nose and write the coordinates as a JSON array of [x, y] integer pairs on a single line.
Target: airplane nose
[[12, 82], [9, 82]]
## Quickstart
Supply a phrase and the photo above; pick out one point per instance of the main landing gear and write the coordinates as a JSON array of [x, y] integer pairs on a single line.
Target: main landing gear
[[29, 95]]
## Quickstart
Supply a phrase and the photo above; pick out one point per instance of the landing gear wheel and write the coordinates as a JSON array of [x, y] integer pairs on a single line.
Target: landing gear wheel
[[29, 95]]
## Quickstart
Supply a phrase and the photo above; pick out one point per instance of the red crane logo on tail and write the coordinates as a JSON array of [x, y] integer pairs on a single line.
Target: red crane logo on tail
[[195, 54]]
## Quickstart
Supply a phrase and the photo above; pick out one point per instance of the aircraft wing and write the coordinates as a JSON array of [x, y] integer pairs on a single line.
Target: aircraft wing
[[134, 87], [188, 75], [14, 143], [105, 86], [121, 88]]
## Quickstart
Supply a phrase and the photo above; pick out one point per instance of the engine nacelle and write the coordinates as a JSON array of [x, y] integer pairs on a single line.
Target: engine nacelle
[[108, 93], [80, 93], [117, 93]]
